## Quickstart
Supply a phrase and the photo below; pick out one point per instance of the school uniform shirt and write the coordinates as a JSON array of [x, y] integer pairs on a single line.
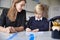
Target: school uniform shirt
[[20, 19], [42, 25], [38, 19]]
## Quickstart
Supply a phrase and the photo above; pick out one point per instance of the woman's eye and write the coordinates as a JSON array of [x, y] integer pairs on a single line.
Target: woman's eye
[[22, 5]]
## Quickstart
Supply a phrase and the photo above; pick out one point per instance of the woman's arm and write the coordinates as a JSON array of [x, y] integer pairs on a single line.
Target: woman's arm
[[15, 29], [3, 20], [19, 29], [23, 23], [2, 29]]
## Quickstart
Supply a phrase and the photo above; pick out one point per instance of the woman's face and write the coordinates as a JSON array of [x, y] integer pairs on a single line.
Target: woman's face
[[20, 6]]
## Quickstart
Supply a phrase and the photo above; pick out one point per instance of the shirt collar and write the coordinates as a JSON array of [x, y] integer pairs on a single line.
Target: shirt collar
[[38, 19]]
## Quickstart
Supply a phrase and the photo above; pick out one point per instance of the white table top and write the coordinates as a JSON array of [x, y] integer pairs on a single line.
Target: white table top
[[25, 36]]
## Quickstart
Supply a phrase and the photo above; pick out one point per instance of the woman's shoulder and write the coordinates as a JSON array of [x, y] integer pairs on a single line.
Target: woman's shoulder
[[5, 8], [5, 11]]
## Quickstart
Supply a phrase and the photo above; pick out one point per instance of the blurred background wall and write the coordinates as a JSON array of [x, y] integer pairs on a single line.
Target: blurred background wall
[[53, 5]]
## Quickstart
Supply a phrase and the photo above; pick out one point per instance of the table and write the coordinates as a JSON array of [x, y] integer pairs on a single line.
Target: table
[[25, 36]]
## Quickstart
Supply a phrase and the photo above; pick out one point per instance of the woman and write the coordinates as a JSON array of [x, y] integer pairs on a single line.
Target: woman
[[38, 22], [13, 20]]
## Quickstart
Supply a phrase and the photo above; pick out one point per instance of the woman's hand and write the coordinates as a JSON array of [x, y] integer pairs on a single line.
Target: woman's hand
[[7, 29], [35, 30], [12, 30], [28, 30]]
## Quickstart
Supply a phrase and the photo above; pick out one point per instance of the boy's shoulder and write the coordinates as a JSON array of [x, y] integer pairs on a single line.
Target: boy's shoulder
[[32, 18], [45, 18]]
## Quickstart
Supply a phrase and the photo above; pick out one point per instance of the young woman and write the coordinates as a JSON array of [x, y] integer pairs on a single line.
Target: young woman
[[38, 22], [13, 19]]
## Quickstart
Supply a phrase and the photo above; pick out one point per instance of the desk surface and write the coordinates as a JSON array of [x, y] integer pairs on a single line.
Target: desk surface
[[25, 36]]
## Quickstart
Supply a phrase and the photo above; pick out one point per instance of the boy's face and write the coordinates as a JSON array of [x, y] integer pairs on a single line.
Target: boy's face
[[38, 13]]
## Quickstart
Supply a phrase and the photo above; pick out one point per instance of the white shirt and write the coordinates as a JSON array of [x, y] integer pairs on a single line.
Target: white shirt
[[38, 19]]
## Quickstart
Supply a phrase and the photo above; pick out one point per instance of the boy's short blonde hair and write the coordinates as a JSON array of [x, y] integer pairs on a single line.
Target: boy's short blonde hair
[[39, 7]]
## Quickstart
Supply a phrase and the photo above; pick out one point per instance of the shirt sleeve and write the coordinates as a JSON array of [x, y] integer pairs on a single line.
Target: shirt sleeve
[[24, 19], [3, 18], [29, 23], [21, 19]]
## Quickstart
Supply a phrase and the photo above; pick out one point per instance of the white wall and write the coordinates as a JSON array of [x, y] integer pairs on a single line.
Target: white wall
[[30, 7], [54, 9], [5, 3], [1, 11]]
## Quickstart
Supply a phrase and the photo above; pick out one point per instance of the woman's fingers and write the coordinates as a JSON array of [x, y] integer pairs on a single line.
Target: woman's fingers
[[12, 30], [7, 30]]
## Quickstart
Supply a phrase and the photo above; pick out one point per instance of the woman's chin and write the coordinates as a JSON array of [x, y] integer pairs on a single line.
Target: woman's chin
[[19, 10]]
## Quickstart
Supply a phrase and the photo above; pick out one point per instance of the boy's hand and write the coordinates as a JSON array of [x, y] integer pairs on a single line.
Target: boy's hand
[[35, 30], [28, 30]]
